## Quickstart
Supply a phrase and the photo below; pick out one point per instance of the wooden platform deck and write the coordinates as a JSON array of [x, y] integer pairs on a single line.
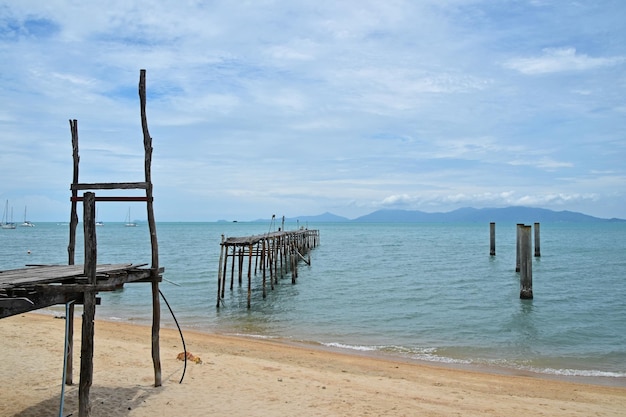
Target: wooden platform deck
[[39, 286]]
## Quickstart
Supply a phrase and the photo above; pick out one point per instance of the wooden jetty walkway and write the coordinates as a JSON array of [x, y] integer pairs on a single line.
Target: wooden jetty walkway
[[41, 286], [274, 253]]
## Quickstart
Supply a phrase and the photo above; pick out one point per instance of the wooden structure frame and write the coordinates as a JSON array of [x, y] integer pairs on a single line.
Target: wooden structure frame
[[37, 287]]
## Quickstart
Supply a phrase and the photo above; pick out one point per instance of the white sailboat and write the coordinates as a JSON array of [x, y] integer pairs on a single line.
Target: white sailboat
[[6, 224], [128, 223], [98, 222], [26, 223]]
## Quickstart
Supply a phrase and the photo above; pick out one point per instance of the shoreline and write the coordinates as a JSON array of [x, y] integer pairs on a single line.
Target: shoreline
[[601, 380], [244, 376]]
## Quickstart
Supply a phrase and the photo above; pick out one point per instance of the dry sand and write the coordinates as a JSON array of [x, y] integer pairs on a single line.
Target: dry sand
[[249, 377]]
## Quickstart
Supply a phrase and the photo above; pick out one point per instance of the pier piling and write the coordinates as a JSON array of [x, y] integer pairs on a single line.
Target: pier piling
[[537, 243], [492, 239], [526, 266], [518, 244]]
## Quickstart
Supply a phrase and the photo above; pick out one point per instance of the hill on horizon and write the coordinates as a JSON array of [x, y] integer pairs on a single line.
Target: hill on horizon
[[516, 214]]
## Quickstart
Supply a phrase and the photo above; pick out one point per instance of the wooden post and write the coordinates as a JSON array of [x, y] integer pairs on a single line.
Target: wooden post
[[292, 262], [492, 239], [270, 261], [219, 273], [526, 265], [89, 307], [240, 265], [263, 260], [71, 250], [537, 243], [249, 274], [69, 363], [232, 269], [283, 261], [224, 270], [156, 302], [518, 246]]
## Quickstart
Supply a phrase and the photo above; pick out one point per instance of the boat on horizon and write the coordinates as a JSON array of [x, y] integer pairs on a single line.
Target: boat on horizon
[[6, 224], [26, 223], [128, 223]]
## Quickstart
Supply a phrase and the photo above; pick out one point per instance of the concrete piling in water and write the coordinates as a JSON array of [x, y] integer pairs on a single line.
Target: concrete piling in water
[[537, 243], [492, 239], [518, 246], [526, 266]]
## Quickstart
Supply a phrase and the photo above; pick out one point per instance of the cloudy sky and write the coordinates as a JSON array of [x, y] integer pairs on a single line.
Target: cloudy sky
[[301, 107]]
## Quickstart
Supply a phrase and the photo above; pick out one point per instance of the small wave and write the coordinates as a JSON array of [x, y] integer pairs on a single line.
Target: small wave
[[424, 354], [351, 347], [430, 355], [253, 336], [576, 372]]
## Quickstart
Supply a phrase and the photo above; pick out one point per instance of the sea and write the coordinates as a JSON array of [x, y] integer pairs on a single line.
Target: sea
[[412, 291]]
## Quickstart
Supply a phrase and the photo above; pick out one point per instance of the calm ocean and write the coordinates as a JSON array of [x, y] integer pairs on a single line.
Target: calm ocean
[[422, 291]]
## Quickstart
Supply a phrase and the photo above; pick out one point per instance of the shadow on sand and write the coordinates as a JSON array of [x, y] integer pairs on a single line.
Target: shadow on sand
[[105, 401]]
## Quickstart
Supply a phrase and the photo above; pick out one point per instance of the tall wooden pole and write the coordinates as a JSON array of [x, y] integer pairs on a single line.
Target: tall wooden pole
[[537, 241], [71, 250], [249, 274], [526, 264], [89, 305], [492, 239], [263, 260], [219, 273], [518, 244], [156, 302]]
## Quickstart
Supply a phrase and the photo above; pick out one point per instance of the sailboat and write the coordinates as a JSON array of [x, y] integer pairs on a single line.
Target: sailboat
[[26, 223], [5, 218], [128, 223], [98, 222]]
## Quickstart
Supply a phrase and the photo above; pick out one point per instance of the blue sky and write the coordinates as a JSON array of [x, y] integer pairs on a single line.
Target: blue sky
[[301, 107]]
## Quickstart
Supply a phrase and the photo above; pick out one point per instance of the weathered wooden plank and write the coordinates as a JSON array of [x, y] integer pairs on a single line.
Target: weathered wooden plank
[[110, 186], [117, 199], [18, 302], [44, 272]]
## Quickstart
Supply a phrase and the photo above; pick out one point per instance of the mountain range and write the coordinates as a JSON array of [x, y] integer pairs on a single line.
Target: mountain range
[[515, 214]]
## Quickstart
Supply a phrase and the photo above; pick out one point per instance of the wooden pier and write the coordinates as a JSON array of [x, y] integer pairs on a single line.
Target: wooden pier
[[275, 254]]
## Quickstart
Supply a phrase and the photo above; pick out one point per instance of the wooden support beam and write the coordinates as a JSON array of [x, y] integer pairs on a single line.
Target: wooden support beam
[[219, 273], [89, 308], [71, 248], [109, 186], [156, 303], [15, 303], [118, 199]]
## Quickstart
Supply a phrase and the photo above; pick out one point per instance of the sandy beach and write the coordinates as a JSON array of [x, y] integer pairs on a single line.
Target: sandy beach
[[247, 377]]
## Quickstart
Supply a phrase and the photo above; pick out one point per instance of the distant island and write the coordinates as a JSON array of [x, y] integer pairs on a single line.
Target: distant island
[[516, 214]]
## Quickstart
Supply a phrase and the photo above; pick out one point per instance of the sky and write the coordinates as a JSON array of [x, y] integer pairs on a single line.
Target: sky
[[298, 108]]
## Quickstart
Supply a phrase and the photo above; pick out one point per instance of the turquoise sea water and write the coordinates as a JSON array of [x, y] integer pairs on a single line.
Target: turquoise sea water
[[421, 291]]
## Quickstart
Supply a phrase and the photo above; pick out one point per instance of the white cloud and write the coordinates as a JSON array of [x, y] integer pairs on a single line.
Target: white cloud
[[554, 60]]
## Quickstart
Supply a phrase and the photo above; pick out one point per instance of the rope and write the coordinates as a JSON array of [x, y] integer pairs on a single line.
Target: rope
[[181, 336]]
